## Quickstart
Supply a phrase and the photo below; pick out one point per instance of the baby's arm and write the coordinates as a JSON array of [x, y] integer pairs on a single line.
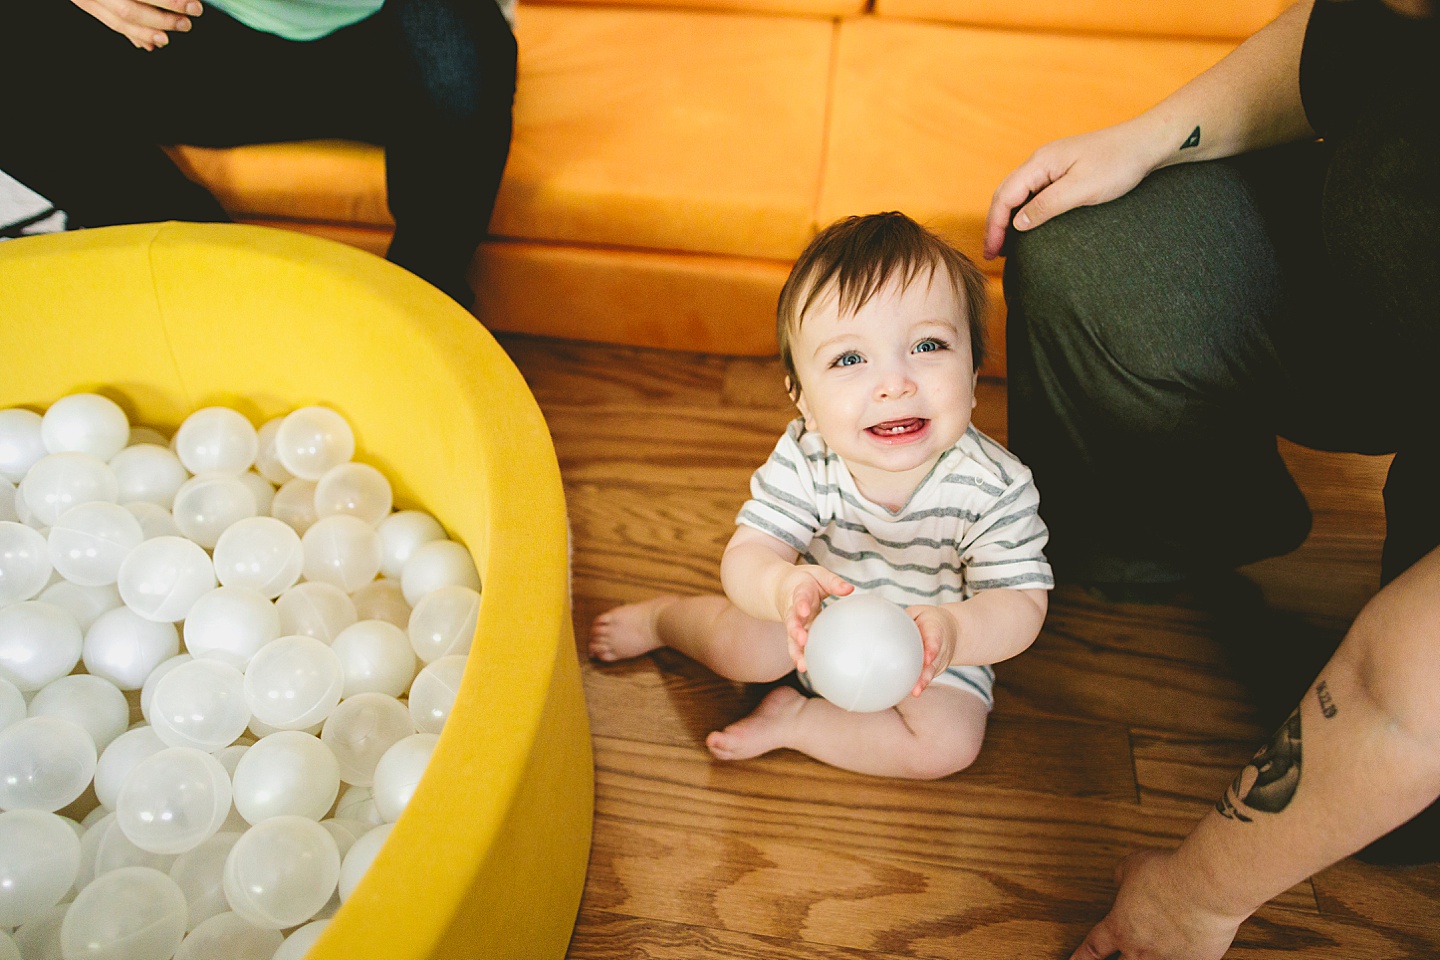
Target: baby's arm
[[760, 577], [991, 626]]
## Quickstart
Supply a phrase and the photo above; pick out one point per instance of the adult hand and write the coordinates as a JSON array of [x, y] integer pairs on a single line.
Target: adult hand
[[145, 23], [1073, 172], [1153, 919], [940, 634], [804, 590]]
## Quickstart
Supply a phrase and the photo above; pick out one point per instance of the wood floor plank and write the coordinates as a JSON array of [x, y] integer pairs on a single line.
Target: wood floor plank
[[1186, 772], [1402, 900]]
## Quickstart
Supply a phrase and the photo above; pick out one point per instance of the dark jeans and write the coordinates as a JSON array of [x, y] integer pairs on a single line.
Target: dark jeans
[[432, 81]]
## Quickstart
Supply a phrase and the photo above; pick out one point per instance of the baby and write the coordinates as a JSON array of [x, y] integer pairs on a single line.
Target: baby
[[881, 485]]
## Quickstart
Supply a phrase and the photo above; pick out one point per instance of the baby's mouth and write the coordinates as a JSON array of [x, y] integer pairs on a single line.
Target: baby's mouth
[[891, 429]]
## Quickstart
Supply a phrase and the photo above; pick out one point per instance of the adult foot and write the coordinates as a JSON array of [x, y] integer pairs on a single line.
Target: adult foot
[[765, 729], [628, 631]]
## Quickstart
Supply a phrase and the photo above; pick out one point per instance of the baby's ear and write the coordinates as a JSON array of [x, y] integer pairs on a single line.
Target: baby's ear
[[792, 390]]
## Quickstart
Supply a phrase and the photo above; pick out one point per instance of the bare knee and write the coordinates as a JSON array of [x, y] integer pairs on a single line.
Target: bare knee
[[941, 743]]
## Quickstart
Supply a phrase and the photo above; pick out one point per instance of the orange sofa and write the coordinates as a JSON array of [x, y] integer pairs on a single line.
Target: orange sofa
[[672, 157]]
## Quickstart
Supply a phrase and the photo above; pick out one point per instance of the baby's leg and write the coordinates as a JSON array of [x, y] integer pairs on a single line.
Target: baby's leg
[[924, 738], [709, 629]]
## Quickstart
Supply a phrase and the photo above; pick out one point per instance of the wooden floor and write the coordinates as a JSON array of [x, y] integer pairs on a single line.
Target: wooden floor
[[1117, 729]]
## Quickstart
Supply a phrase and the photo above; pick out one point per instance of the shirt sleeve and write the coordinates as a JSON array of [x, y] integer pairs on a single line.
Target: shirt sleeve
[[782, 495], [1005, 546]]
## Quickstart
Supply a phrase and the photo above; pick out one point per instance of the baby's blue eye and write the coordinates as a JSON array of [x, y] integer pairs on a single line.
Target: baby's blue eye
[[848, 359], [930, 344]]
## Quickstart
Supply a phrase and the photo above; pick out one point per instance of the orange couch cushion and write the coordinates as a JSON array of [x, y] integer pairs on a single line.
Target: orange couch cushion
[[795, 8], [929, 119], [1231, 19]]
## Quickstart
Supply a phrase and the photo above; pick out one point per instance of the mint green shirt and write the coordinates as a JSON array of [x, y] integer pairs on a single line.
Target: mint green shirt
[[297, 19]]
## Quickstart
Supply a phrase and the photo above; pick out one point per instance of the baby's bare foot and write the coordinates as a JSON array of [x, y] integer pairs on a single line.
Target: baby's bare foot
[[628, 631], [763, 730]]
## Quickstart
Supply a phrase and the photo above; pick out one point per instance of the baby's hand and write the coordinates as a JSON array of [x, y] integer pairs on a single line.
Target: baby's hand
[[940, 634], [804, 590]]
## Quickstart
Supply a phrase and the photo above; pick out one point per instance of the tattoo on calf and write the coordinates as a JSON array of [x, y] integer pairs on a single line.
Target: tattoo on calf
[[1277, 774], [1191, 141], [1327, 703]]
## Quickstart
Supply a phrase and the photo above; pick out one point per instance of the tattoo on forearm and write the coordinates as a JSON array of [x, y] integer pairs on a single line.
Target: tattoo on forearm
[[1276, 769], [1327, 703], [1191, 141]]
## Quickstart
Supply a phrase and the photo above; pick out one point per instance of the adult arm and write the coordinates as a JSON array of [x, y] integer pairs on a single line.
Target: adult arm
[[1359, 757], [1249, 100], [145, 23]]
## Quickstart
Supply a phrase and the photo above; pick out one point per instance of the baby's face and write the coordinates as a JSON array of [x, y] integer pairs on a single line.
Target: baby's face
[[890, 387]]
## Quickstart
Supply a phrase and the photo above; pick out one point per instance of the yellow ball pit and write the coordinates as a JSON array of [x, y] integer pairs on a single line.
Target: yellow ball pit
[[489, 858]]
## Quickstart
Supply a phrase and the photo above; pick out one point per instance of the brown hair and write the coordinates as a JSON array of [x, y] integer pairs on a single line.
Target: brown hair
[[858, 256]]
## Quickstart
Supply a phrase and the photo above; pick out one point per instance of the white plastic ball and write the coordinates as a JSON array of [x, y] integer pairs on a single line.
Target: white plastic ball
[[147, 690], [200, 874], [119, 758], [12, 704], [39, 939], [7, 501], [314, 609], [382, 600], [235, 621], [89, 541], [432, 695], [231, 936], [39, 642], [39, 860], [293, 683], [357, 802], [146, 473], [399, 772], [86, 604], [94, 703], [115, 851], [134, 913], [162, 578], [20, 444], [864, 653], [375, 657], [155, 520], [288, 773], [85, 423], [401, 534], [209, 504], [173, 800], [200, 704], [60, 481], [263, 490], [261, 553], [360, 858], [361, 729], [342, 550], [24, 562], [124, 648], [311, 440], [267, 464], [443, 622], [440, 563], [298, 944], [281, 872], [356, 489], [216, 440], [294, 504], [346, 832], [45, 763]]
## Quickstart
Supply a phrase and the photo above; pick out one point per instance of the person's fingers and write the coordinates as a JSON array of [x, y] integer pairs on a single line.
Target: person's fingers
[[1061, 195], [1099, 944], [144, 24], [1026, 180]]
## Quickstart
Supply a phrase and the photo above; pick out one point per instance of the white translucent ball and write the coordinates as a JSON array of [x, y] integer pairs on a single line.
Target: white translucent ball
[[86, 604], [155, 520], [45, 763], [432, 695], [357, 489], [311, 440], [173, 800], [361, 729], [267, 464], [294, 504], [864, 653], [200, 704], [293, 683], [39, 860], [261, 553], [376, 657], [147, 690], [209, 504], [24, 562], [200, 874], [357, 802], [399, 771], [124, 648], [60, 481], [401, 534], [382, 600], [39, 642], [20, 444], [314, 609], [286, 773], [89, 542], [85, 423], [342, 550], [443, 622], [298, 944], [440, 563], [94, 703], [234, 621], [264, 492], [12, 704], [39, 939], [346, 832], [7, 501], [360, 857], [146, 473], [231, 936], [116, 851], [120, 757], [216, 440], [133, 913], [162, 578], [281, 872]]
